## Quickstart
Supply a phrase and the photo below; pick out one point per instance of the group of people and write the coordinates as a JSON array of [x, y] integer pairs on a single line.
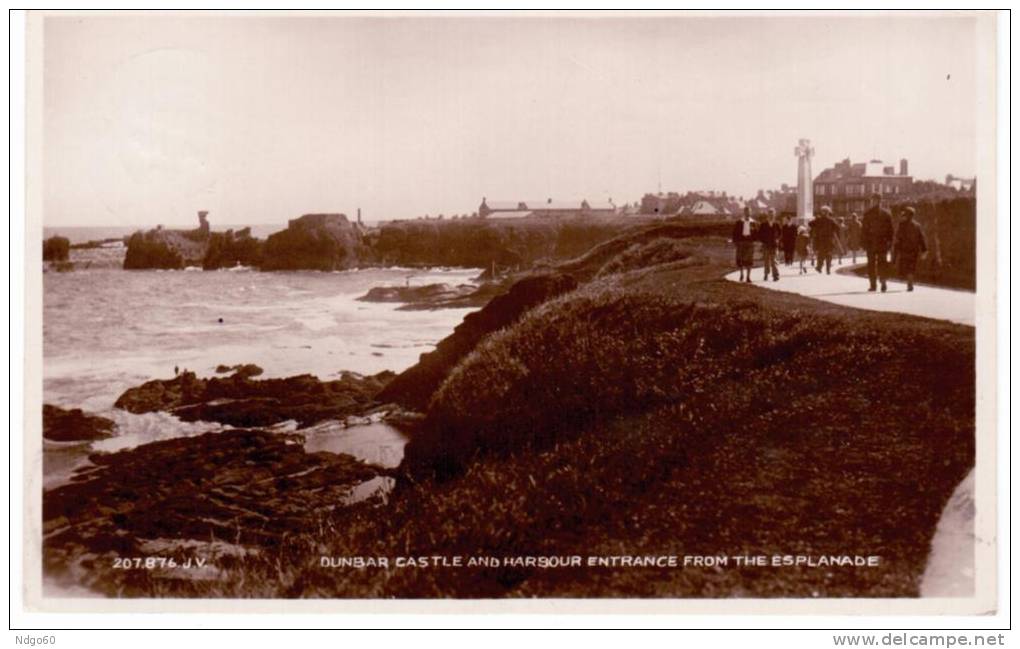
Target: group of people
[[824, 237]]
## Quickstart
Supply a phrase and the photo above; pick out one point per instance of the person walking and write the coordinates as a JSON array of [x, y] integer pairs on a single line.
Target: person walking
[[789, 238], [803, 244], [825, 239], [744, 233], [853, 236], [876, 238], [908, 246], [769, 234], [841, 233]]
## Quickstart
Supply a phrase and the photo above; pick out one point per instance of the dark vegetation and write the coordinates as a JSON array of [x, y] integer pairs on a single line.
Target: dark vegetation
[[951, 229], [414, 387], [655, 409], [476, 243]]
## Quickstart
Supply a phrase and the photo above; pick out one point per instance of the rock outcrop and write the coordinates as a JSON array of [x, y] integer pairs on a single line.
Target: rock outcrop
[[246, 370], [315, 242], [247, 489], [414, 387], [168, 249], [230, 248], [422, 297], [176, 249], [56, 249], [61, 425], [241, 401]]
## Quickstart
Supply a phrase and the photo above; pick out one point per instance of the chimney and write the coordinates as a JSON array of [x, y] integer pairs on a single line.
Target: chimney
[[903, 167], [359, 216]]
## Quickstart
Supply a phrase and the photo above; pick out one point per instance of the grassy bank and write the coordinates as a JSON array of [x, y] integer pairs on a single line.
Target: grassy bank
[[480, 243], [660, 410]]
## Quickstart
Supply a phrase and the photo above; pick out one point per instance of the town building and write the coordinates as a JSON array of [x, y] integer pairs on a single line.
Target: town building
[[960, 184], [704, 204], [547, 208], [846, 186]]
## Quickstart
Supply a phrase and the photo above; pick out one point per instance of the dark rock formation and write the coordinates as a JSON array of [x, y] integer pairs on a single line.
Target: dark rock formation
[[588, 265], [414, 387], [466, 297], [228, 249], [423, 296], [238, 487], [175, 249], [61, 425], [315, 242], [56, 249], [98, 243], [240, 401], [246, 370], [168, 249]]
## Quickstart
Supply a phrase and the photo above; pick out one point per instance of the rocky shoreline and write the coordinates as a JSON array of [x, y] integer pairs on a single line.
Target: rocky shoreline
[[244, 488], [60, 425], [239, 400], [329, 242], [230, 494]]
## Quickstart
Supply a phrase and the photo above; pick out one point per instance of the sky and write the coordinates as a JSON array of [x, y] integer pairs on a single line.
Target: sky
[[260, 119]]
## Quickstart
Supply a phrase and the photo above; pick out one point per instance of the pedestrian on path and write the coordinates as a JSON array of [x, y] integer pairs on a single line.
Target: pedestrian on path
[[803, 243], [841, 233], [789, 239], [876, 237], [744, 234], [853, 235], [769, 234], [825, 239], [908, 246]]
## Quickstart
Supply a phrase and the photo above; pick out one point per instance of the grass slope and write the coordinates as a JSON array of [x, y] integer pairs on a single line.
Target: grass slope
[[663, 410]]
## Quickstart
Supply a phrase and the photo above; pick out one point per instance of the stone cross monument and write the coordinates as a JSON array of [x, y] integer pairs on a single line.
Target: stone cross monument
[[805, 192]]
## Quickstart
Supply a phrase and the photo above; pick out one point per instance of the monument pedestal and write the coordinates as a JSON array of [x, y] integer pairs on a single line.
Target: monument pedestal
[[805, 190]]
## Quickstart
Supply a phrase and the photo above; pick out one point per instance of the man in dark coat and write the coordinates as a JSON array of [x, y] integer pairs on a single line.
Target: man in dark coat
[[769, 234], [744, 234], [908, 245], [853, 235], [825, 233], [789, 234], [876, 237]]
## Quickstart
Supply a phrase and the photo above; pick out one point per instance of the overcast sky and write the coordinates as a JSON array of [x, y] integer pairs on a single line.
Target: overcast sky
[[261, 119]]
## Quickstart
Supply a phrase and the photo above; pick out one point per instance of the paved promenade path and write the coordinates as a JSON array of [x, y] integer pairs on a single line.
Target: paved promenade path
[[950, 568], [850, 290]]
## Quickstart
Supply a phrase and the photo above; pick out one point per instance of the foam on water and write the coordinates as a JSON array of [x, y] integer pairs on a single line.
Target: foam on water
[[106, 330]]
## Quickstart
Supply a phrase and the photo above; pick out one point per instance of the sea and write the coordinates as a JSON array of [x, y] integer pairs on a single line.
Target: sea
[[106, 330]]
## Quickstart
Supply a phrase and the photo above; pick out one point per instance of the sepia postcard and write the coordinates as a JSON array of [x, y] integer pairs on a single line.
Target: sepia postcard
[[672, 312]]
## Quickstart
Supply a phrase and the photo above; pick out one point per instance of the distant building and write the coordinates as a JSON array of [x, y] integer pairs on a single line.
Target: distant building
[[510, 214], [703, 210], [846, 186], [704, 204], [961, 184], [546, 208]]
